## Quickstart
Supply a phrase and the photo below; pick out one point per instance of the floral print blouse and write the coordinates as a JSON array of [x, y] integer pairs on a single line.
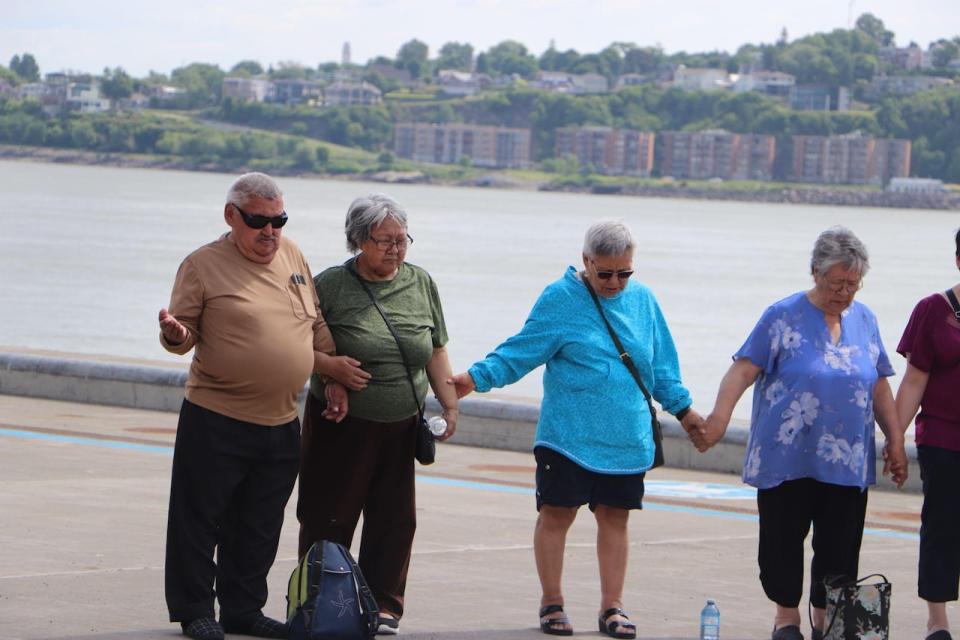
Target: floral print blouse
[[813, 400]]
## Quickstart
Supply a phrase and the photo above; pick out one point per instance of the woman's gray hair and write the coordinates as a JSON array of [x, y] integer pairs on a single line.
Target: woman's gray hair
[[251, 185], [838, 245], [365, 213], [608, 238]]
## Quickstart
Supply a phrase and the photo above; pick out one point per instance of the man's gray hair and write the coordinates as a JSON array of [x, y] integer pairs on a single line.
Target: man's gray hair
[[608, 238], [365, 213], [838, 245], [251, 185]]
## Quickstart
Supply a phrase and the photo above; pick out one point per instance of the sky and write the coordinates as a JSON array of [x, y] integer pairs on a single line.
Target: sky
[[141, 36]]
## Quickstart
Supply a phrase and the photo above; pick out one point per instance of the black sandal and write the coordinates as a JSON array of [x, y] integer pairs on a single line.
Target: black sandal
[[549, 625], [609, 626]]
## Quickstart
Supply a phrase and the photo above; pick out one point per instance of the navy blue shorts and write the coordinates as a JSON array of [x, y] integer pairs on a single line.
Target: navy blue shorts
[[563, 483]]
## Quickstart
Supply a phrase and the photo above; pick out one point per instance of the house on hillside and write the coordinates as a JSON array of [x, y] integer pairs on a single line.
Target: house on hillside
[[246, 89], [882, 86], [343, 94], [461, 83], [696, 79], [776, 84]]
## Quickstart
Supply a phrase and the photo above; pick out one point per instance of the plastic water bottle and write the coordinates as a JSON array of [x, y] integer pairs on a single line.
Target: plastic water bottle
[[710, 621], [438, 426]]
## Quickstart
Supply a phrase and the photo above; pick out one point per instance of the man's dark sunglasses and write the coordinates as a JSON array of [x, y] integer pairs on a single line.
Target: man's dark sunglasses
[[256, 221], [621, 275]]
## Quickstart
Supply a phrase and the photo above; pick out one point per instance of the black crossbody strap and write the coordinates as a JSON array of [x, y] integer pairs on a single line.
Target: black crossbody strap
[[624, 356], [393, 332], [951, 296]]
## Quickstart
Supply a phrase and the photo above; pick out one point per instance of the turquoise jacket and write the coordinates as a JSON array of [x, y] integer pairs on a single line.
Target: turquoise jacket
[[593, 412]]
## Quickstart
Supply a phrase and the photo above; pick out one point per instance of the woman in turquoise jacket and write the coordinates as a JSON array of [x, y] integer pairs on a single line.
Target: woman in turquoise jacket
[[594, 440]]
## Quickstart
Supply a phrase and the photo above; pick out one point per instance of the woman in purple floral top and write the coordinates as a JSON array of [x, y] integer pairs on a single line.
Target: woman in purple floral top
[[819, 372], [931, 344]]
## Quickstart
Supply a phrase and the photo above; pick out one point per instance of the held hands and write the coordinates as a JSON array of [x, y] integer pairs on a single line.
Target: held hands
[[895, 462], [692, 423], [463, 383], [337, 403], [709, 432], [173, 331], [347, 372]]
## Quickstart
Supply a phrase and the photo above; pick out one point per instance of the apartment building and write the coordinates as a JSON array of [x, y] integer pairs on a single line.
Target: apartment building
[[608, 151], [849, 159], [703, 155], [485, 146]]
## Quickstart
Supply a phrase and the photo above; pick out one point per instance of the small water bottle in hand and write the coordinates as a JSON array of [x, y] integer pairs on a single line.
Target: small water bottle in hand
[[710, 622], [437, 425]]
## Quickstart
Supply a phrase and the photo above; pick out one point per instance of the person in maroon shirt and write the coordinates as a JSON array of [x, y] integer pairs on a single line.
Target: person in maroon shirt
[[931, 344]]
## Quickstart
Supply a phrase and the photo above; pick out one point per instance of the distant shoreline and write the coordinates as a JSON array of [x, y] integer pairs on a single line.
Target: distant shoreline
[[806, 194]]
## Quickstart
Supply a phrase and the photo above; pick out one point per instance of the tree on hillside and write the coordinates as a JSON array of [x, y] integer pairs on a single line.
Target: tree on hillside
[[510, 57], [116, 83], [454, 55], [9, 76], [874, 27], [26, 67], [289, 70], [643, 59], [247, 68], [944, 51], [203, 82], [553, 60], [606, 63], [413, 56]]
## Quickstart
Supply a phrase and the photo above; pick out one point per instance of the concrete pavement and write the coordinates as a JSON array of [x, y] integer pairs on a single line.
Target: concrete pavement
[[83, 512]]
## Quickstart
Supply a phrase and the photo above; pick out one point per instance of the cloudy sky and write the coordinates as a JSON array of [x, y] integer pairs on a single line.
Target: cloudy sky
[[150, 35]]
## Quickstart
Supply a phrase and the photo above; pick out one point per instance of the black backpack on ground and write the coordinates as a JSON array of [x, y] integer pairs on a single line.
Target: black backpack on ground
[[328, 598]]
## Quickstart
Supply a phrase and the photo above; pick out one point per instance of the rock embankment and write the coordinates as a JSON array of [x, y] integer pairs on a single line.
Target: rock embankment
[[799, 195]]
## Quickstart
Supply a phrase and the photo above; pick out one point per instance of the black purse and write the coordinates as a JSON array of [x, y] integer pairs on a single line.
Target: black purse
[[426, 448], [857, 608], [628, 362]]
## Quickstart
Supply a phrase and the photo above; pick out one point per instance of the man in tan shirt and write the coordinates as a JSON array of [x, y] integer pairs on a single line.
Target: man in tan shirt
[[246, 305]]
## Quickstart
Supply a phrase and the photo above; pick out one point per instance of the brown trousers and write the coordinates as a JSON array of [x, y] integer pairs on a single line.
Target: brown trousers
[[359, 466]]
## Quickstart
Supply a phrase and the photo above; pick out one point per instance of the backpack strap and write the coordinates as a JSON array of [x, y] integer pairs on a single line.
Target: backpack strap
[[369, 605]]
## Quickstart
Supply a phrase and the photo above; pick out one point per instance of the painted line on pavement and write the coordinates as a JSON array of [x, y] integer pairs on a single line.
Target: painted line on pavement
[[462, 484]]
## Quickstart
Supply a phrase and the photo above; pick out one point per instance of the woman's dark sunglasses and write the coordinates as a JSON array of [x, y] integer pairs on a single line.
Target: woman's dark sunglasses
[[621, 275], [256, 221]]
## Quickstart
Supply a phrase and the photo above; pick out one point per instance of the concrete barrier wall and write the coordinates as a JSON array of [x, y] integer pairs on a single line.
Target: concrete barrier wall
[[483, 423]]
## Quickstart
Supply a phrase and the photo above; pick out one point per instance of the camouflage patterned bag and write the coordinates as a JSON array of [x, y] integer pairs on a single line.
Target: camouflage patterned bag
[[858, 610]]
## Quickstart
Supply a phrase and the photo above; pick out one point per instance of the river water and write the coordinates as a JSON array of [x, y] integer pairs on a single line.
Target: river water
[[88, 256]]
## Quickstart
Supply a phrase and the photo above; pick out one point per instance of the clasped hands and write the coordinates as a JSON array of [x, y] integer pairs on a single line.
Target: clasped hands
[[704, 432]]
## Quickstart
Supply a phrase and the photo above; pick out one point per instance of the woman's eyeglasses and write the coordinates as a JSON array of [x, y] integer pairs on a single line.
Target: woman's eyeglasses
[[606, 274], [621, 275], [840, 285], [386, 245], [257, 221]]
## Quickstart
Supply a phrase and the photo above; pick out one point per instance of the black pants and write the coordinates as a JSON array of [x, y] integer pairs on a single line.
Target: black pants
[[231, 481], [361, 466], [786, 513], [939, 567]]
